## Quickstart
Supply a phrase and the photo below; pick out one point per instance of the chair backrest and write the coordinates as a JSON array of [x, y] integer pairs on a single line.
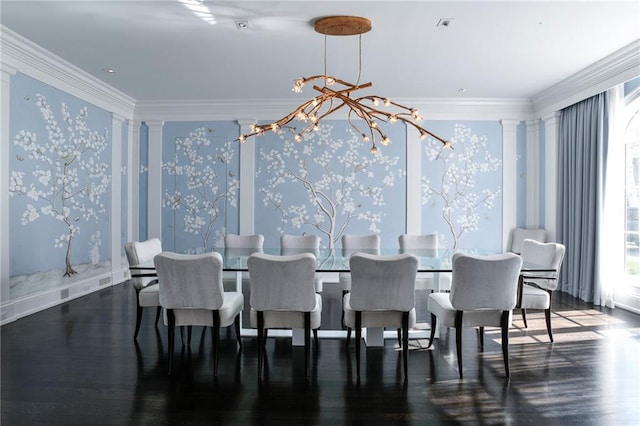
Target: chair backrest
[[420, 245], [141, 252], [234, 241], [383, 282], [518, 235], [360, 243], [190, 281], [294, 244], [280, 283], [549, 255], [485, 282]]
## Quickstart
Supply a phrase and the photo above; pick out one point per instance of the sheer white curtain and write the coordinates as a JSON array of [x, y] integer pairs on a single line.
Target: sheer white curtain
[[611, 242]]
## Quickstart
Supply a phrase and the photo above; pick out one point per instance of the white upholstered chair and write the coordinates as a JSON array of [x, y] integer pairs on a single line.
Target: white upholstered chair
[[518, 235], [483, 294], [295, 244], [352, 244], [536, 289], [191, 292], [240, 246], [145, 283], [425, 245], [234, 241], [283, 296], [382, 295]]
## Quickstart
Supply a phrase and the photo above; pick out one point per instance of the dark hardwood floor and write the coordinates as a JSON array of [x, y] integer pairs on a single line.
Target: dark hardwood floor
[[77, 364]]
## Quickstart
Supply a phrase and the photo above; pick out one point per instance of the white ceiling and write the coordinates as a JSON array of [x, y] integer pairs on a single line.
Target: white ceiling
[[164, 52]]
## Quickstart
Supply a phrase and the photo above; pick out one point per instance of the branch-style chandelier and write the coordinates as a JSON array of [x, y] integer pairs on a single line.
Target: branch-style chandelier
[[372, 109]]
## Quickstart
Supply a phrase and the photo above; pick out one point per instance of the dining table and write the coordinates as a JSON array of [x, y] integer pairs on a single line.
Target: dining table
[[329, 263]]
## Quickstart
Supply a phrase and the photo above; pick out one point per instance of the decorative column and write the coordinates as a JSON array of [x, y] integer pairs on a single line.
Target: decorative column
[[533, 175], [414, 179], [154, 198], [116, 196], [133, 183], [509, 178], [5, 139], [247, 180], [552, 132]]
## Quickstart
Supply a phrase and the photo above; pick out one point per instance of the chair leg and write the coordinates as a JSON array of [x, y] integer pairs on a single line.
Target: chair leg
[[315, 336], [405, 343], [348, 336], [172, 332], [358, 337], [344, 292], [434, 321], [215, 340], [158, 312], [138, 315], [547, 317], [458, 324], [400, 337], [236, 323], [524, 317], [504, 324], [307, 342], [481, 337], [189, 332], [260, 315]]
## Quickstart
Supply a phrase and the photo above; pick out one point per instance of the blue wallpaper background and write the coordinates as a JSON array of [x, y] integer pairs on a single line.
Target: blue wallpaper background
[[33, 242], [200, 184], [330, 177], [476, 154]]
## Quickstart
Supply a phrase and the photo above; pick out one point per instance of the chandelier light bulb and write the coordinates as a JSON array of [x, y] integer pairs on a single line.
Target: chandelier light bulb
[[365, 138], [385, 141], [242, 138], [387, 102], [374, 149], [298, 137]]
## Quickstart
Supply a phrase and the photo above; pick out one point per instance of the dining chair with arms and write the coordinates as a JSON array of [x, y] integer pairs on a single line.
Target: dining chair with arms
[[191, 292], [483, 294], [283, 296], [536, 288], [145, 283], [382, 295], [518, 235]]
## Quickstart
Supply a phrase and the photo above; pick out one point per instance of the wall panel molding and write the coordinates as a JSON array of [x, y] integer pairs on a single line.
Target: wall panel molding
[[273, 109]]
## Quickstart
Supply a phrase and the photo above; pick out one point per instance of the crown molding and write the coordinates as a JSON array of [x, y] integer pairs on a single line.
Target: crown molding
[[29, 58], [618, 67], [273, 109]]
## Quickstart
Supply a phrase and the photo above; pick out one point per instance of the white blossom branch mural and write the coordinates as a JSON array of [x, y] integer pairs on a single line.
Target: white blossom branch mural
[[337, 179], [455, 189], [70, 175], [208, 184]]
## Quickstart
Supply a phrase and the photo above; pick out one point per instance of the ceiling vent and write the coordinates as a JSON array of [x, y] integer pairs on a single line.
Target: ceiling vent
[[242, 25], [445, 22]]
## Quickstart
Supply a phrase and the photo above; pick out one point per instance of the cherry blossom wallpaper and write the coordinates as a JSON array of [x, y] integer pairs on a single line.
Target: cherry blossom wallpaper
[[59, 187]]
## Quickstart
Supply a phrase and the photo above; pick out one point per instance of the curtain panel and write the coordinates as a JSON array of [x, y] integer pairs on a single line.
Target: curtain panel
[[582, 160]]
